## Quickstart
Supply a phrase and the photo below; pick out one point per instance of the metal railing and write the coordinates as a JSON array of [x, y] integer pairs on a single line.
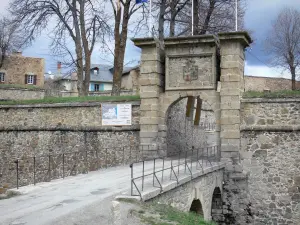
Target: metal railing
[[40, 168], [188, 161]]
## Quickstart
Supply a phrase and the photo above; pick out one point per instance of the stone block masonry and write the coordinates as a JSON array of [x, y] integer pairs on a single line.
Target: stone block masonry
[[65, 139], [270, 155]]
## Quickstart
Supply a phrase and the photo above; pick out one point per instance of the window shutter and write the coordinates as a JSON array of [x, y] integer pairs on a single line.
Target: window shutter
[[26, 76], [34, 79]]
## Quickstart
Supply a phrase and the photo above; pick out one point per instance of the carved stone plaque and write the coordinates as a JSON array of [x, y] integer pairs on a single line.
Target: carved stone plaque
[[190, 72]]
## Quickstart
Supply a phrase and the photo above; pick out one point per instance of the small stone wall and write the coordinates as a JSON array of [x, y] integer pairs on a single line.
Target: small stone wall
[[271, 156], [20, 94], [65, 139]]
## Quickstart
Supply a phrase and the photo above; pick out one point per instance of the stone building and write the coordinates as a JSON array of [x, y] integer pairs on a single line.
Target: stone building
[[18, 69], [130, 78]]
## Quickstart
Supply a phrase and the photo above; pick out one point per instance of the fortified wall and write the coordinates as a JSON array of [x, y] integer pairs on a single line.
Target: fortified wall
[[56, 140], [270, 154]]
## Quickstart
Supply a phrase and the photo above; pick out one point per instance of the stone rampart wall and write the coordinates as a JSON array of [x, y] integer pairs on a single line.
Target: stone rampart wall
[[65, 139], [61, 116], [21, 94], [271, 156]]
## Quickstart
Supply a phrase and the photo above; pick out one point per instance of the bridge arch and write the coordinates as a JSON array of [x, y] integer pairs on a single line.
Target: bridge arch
[[196, 207], [217, 205]]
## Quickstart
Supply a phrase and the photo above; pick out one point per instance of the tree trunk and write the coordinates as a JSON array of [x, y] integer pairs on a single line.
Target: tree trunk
[[208, 16], [87, 52], [116, 88], [120, 46], [78, 49], [87, 74], [79, 65], [293, 72], [161, 20]]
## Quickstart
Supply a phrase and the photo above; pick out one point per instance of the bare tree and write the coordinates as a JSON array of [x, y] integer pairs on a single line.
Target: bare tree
[[283, 42], [123, 11], [210, 16], [11, 39], [84, 21]]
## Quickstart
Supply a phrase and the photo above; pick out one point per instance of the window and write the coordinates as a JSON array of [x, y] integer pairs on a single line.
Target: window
[[95, 71], [2, 77], [96, 87], [30, 79]]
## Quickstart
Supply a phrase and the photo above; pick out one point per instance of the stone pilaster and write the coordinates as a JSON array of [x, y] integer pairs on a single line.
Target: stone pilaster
[[232, 88], [150, 89], [236, 207]]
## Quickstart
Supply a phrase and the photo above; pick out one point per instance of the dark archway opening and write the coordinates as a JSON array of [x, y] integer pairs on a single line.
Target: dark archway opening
[[196, 207], [217, 205], [190, 121]]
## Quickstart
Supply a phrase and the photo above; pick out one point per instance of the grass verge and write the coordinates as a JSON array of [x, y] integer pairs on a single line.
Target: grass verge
[[54, 100], [161, 214], [275, 94]]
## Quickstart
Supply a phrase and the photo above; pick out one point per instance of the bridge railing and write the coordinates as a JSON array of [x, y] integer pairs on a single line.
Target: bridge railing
[[22, 171], [153, 173]]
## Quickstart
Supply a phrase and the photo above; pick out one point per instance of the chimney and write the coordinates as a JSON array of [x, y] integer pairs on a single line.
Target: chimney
[[59, 68]]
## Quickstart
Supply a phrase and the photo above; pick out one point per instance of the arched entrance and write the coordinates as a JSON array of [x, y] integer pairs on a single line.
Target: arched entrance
[[190, 124], [196, 207], [217, 205]]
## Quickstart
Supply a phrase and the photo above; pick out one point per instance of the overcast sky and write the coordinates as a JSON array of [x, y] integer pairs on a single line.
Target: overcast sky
[[258, 19]]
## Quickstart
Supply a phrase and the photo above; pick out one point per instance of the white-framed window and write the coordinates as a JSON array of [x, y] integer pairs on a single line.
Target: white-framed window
[[30, 79], [95, 72], [97, 87], [2, 77]]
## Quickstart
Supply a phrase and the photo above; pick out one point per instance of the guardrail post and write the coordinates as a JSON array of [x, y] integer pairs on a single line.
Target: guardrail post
[[131, 180], [123, 156], [86, 161], [63, 165], [34, 170], [162, 175], [49, 167], [106, 158], [17, 168], [143, 176], [153, 170]]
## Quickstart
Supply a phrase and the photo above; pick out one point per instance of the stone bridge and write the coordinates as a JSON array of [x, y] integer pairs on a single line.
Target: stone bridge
[[198, 188]]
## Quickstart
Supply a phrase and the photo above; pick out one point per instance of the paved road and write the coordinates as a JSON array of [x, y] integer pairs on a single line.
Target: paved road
[[74, 200], [79, 200]]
